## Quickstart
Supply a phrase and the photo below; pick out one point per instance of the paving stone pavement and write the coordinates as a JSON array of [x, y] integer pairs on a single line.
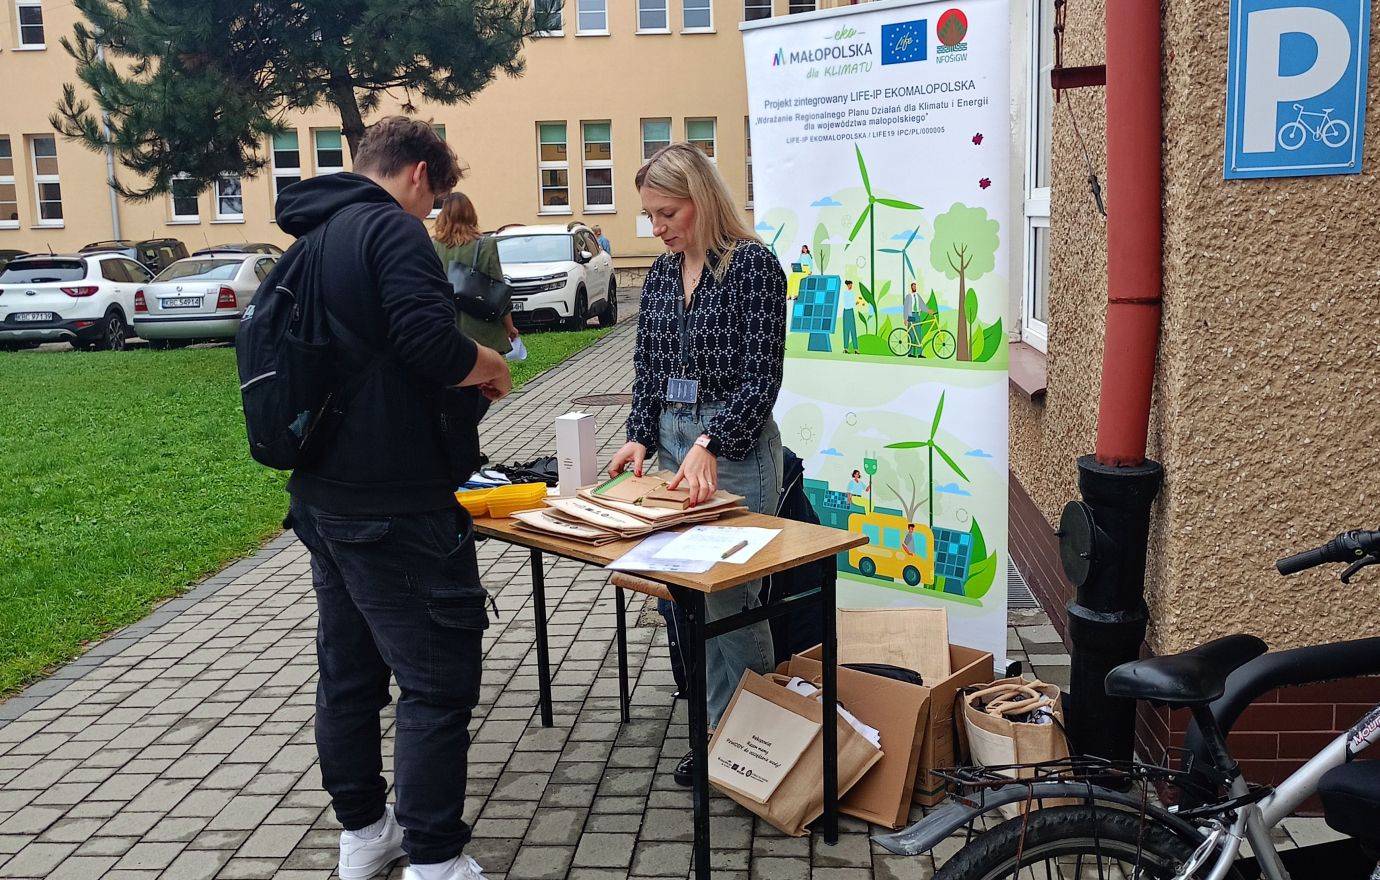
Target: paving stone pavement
[[181, 747]]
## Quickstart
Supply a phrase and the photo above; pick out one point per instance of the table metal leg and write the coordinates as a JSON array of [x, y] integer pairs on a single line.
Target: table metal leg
[[543, 649], [624, 701], [831, 733], [692, 602]]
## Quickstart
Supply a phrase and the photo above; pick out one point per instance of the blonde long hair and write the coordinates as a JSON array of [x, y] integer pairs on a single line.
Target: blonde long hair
[[681, 171], [458, 222]]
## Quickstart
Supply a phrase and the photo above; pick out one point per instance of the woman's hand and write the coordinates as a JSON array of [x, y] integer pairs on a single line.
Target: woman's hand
[[700, 473], [510, 326], [632, 453]]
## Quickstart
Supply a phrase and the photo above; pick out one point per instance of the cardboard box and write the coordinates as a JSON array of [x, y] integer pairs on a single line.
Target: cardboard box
[[899, 711], [575, 452]]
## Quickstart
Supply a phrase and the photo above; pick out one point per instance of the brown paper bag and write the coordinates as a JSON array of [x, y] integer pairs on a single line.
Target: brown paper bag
[[993, 740], [799, 798], [911, 638]]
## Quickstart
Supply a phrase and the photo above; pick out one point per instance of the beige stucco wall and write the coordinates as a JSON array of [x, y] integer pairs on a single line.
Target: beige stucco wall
[[623, 77], [1265, 409]]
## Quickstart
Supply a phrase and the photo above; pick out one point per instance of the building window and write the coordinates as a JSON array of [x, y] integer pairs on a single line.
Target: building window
[[747, 147], [47, 186], [549, 17], [697, 15], [755, 9], [598, 165], [1035, 286], [9, 196], [652, 17], [801, 6], [30, 16], [287, 161], [592, 17], [553, 164], [700, 132], [656, 133], [229, 198], [330, 154], [440, 197], [185, 200]]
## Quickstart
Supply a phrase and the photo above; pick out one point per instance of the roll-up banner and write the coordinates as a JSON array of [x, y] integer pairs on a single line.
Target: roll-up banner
[[881, 138]]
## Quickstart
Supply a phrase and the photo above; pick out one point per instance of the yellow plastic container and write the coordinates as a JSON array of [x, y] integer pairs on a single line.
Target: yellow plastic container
[[507, 500], [476, 501]]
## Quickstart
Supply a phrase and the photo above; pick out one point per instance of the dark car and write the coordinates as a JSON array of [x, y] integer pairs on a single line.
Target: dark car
[[7, 254], [242, 247], [156, 254]]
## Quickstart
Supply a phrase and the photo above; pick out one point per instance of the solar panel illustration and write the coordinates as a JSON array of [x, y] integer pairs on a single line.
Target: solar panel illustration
[[816, 308], [953, 550], [837, 500]]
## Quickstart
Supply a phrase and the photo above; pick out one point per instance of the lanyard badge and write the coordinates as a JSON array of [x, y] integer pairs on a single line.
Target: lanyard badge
[[682, 389]]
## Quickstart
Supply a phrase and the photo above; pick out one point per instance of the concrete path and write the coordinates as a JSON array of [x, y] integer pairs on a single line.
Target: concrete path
[[182, 746]]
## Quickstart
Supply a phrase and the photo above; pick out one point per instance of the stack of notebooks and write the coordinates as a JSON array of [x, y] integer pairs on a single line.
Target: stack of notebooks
[[626, 506]]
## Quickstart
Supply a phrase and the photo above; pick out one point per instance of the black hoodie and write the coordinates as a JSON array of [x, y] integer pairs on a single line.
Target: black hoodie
[[406, 440]]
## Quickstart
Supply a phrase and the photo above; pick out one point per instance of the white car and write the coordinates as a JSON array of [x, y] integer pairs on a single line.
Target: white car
[[200, 297], [558, 275], [84, 299]]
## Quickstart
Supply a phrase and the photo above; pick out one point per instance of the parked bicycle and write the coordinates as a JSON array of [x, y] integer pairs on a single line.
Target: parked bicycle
[[1332, 132], [1115, 829], [914, 338]]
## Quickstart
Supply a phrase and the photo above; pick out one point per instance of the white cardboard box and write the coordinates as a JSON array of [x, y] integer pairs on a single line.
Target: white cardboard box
[[575, 452]]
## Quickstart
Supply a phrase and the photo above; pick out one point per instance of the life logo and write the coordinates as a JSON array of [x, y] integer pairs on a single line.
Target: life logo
[[952, 31], [1296, 87]]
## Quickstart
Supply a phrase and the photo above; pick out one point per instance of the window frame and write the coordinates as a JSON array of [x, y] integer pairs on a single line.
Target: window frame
[[1035, 205], [172, 203], [436, 203], [714, 142], [665, 8], [560, 18], [587, 165], [323, 170], [791, 6], [581, 30], [11, 181], [685, 28], [545, 165], [41, 179], [21, 45], [747, 153], [642, 130], [758, 6], [222, 216], [281, 172]]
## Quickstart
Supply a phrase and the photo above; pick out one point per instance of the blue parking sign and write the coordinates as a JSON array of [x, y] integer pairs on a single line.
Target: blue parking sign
[[1296, 87]]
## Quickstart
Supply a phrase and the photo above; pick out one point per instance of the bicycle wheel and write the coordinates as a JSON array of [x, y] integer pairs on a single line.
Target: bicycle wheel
[[1292, 135], [1335, 133], [1060, 843], [944, 344], [898, 341]]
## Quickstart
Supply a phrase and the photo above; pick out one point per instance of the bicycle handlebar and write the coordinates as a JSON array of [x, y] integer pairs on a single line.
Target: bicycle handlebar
[[1352, 546]]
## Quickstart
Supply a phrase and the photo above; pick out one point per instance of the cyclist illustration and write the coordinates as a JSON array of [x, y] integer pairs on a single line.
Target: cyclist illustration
[[1332, 132], [921, 333]]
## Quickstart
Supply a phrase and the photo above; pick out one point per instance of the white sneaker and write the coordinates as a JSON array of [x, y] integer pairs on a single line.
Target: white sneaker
[[462, 867], [361, 859]]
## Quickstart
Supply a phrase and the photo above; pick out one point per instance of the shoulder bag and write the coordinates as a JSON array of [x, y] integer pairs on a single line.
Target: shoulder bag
[[476, 294]]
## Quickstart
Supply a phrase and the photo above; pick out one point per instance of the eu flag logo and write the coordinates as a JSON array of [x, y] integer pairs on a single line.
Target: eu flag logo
[[904, 42]]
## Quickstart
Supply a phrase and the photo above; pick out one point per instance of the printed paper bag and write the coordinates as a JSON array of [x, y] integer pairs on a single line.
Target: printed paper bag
[[798, 798], [759, 745], [996, 738], [911, 638]]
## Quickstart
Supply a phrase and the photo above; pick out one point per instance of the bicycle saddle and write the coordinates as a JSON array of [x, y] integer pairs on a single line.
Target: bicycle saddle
[[1351, 800], [1195, 677]]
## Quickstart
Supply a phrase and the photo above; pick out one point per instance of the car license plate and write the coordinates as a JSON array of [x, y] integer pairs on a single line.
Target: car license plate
[[33, 316], [181, 302], [519, 305]]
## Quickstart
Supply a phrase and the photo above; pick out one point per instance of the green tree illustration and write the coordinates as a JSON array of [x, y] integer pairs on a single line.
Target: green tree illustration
[[870, 293], [822, 248], [191, 88], [933, 447], [964, 247]]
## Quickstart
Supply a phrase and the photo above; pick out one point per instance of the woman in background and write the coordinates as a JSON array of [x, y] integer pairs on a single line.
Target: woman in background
[[457, 237]]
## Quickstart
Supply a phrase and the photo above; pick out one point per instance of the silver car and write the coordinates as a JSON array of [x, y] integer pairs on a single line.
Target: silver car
[[200, 297]]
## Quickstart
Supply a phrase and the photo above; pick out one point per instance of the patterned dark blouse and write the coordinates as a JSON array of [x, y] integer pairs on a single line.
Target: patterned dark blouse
[[737, 343]]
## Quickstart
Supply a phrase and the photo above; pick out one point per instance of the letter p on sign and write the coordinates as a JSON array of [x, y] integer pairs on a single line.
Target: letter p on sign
[[1296, 87]]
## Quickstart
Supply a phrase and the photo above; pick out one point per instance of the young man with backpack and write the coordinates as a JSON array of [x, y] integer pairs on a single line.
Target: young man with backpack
[[392, 554]]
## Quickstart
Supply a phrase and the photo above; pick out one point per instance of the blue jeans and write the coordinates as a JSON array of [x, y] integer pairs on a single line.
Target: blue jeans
[[850, 331], [758, 479], [396, 595]]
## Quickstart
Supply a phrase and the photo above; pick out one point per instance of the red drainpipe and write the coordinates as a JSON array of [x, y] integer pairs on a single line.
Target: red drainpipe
[[1133, 230]]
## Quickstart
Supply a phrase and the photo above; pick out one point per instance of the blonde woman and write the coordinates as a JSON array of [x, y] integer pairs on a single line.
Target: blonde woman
[[711, 339], [457, 237]]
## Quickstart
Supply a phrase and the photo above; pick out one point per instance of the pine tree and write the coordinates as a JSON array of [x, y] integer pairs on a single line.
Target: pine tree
[[193, 87]]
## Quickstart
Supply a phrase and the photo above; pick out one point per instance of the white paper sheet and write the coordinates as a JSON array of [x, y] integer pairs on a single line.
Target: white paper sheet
[[644, 557], [713, 543]]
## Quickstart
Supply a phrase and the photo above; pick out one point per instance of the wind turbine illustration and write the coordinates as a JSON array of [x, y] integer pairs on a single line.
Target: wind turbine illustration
[[933, 447], [905, 257], [868, 217], [774, 239]]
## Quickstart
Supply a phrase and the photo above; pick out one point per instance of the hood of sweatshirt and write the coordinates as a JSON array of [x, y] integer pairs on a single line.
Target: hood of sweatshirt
[[306, 205]]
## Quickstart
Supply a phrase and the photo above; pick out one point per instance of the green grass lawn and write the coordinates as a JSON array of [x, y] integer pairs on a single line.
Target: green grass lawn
[[127, 479]]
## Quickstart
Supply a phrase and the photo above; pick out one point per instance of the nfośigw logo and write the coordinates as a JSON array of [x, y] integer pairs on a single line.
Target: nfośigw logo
[[952, 31], [904, 41]]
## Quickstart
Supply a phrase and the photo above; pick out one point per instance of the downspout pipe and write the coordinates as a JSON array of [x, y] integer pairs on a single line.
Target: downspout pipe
[[1104, 537]]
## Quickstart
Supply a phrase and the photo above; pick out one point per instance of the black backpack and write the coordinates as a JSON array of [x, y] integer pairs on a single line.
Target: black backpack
[[289, 383]]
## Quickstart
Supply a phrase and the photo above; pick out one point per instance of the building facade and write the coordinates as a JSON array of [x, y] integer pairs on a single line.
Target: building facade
[[619, 79]]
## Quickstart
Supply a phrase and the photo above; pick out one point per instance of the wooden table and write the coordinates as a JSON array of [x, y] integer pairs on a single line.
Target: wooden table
[[797, 544]]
